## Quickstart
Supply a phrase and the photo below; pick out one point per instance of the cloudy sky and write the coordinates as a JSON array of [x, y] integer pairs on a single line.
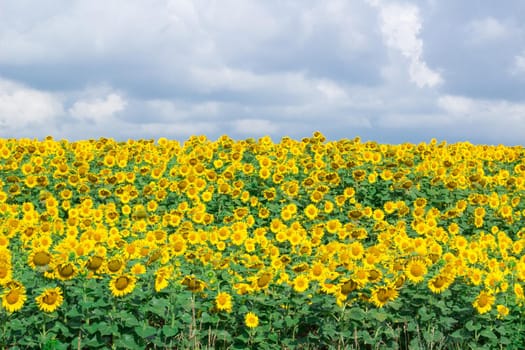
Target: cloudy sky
[[391, 71]]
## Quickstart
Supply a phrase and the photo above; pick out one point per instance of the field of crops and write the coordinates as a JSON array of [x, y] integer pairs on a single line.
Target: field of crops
[[300, 244]]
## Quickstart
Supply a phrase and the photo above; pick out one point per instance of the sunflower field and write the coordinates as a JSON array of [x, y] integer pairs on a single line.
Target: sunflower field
[[252, 244]]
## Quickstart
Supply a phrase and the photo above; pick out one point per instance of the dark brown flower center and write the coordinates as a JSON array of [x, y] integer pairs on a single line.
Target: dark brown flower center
[[50, 298], [121, 283], [41, 259]]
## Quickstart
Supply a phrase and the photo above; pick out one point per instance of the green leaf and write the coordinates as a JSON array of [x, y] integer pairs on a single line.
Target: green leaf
[[472, 327], [365, 337], [59, 328], [356, 314], [107, 329], [458, 335], [414, 344], [16, 325], [378, 315], [92, 342], [290, 322], [127, 318], [169, 331], [127, 341], [504, 341], [488, 333], [73, 312], [447, 322], [424, 314], [145, 331], [412, 326], [159, 306]]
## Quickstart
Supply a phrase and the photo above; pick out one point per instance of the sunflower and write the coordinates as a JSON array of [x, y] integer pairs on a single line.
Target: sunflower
[[94, 263], [115, 265], [14, 297], [356, 250], [439, 283], [65, 271], [382, 295], [121, 285], [138, 269], [50, 299], [193, 284], [162, 276], [300, 283], [415, 270], [5, 273], [484, 302], [251, 320], [264, 279], [223, 301], [311, 211], [503, 311], [518, 292]]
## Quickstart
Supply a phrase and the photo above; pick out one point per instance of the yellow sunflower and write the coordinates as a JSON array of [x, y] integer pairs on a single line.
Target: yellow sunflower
[[40, 259], [65, 271], [14, 297], [251, 320], [94, 263], [415, 270], [223, 301], [262, 280], [300, 283], [484, 302], [162, 276], [503, 311], [382, 295], [138, 269], [5, 273], [193, 284], [115, 265], [50, 299], [348, 286], [121, 285], [311, 211], [439, 283]]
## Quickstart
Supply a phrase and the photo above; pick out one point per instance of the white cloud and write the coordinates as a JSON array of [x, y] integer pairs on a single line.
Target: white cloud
[[98, 109], [493, 116], [292, 86], [519, 63], [175, 129], [254, 126], [416, 121], [179, 110], [486, 30], [456, 105], [21, 106], [331, 90], [400, 27]]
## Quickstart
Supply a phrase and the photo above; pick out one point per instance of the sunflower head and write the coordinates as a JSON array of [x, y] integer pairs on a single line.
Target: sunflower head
[[94, 263], [415, 270], [223, 302], [14, 297], [40, 258], [50, 299], [121, 285], [5, 273], [115, 265], [382, 295], [193, 284], [66, 271], [251, 320]]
